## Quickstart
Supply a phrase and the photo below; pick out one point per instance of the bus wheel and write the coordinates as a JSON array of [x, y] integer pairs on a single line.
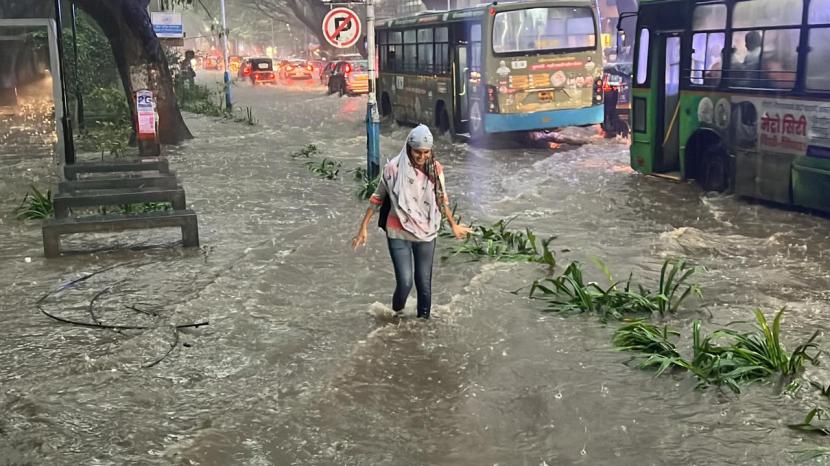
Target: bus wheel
[[714, 169], [477, 123], [385, 105], [443, 120]]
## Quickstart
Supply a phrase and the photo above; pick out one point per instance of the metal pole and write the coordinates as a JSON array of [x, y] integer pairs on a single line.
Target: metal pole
[[78, 91], [69, 142], [228, 101], [372, 114]]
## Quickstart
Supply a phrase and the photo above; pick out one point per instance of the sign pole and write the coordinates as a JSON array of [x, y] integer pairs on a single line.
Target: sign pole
[[372, 114], [228, 101]]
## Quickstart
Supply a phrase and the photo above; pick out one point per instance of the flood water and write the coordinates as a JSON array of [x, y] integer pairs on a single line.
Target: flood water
[[302, 361]]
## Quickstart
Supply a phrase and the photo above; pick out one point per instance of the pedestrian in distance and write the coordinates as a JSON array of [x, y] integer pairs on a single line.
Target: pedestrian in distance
[[410, 198]]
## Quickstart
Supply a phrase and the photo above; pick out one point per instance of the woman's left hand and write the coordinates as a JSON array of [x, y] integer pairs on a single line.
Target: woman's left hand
[[461, 231]]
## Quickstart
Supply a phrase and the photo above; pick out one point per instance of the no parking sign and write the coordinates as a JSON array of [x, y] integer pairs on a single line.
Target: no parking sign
[[342, 28]]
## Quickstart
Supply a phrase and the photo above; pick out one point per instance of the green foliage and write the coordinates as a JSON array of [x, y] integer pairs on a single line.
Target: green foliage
[[36, 205], [569, 293], [723, 357], [807, 424], [328, 169], [109, 102], [106, 136], [96, 63], [499, 243], [654, 343], [366, 186], [200, 99], [307, 152]]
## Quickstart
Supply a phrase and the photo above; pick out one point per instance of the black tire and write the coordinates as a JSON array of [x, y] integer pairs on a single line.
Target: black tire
[[478, 136], [714, 169], [443, 120]]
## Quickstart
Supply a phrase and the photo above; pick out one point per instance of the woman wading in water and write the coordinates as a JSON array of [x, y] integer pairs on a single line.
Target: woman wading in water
[[411, 197]]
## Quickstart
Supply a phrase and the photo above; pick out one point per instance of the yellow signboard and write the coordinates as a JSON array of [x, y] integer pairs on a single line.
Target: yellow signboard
[[606, 40]]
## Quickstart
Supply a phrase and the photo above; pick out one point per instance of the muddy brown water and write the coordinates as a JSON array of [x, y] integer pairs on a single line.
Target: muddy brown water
[[302, 362]]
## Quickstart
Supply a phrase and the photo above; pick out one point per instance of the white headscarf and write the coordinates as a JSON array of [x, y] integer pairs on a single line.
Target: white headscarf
[[412, 192]]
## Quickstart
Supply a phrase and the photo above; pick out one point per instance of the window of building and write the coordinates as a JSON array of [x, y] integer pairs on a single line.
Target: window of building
[[642, 57], [818, 55]]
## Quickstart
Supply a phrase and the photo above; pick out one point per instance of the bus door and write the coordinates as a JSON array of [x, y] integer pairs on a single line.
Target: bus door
[[668, 103], [461, 77]]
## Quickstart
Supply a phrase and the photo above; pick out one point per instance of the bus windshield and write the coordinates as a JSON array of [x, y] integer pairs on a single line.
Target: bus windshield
[[537, 29]]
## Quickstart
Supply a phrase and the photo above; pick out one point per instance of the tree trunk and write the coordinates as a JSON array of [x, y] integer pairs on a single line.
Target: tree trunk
[[140, 60]]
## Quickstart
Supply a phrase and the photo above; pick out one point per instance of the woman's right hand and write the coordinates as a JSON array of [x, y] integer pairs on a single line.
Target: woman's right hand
[[359, 239]]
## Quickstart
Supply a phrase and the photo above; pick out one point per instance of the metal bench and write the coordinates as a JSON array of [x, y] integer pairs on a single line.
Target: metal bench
[[72, 171], [185, 219], [111, 197], [167, 181]]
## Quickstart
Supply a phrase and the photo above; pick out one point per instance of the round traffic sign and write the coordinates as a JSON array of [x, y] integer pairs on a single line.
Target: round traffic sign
[[342, 28]]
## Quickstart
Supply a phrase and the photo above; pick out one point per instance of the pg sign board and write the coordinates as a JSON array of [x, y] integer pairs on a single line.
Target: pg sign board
[[167, 25], [342, 28], [145, 109]]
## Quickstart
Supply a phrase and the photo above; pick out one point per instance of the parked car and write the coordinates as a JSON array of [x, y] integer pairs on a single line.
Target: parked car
[[616, 85], [262, 71], [295, 69], [350, 78]]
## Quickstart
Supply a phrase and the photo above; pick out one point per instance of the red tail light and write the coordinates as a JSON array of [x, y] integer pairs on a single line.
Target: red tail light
[[309, 67], [492, 99], [598, 88], [348, 68]]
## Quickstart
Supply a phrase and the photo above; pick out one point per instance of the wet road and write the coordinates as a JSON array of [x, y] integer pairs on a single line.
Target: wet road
[[303, 364]]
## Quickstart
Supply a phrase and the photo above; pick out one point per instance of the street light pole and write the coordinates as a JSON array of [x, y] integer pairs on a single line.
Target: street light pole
[[372, 114], [228, 101]]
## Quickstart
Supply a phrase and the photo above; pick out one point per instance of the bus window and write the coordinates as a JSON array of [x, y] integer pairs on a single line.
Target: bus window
[[762, 13], [707, 47], [410, 51], [818, 57], [442, 50], [709, 17], [642, 57], [475, 47], [551, 28], [761, 57], [426, 48], [394, 56]]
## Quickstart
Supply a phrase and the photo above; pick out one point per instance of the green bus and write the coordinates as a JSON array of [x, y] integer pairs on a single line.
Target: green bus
[[736, 95], [494, 68]]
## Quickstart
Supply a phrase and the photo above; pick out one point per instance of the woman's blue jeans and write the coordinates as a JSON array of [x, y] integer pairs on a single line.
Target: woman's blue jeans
[[409, 257]]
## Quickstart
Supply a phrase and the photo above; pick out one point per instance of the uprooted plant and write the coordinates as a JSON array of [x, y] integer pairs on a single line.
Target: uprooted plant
[[725, 356], [36, 205], [326, 168], [366, 186], [306, 152], [570, 293], [499, 243]]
